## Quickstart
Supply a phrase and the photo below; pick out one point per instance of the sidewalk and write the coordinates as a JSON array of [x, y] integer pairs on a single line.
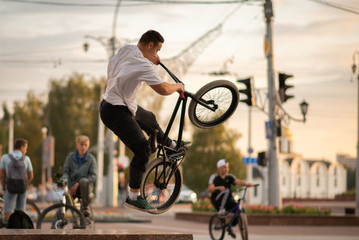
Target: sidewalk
[[135, 222]]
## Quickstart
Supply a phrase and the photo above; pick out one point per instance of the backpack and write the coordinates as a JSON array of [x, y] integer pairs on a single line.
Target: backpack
[[19, 219], [16, 176]]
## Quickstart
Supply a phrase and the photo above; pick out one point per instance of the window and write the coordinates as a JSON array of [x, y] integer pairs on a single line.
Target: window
[[298, 181], [318, 182]]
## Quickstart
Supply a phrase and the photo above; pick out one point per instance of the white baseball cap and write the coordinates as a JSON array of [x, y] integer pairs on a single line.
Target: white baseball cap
[[221, 163]]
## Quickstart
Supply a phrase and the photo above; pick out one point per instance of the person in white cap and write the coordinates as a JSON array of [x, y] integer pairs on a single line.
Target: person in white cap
[[219, 185]]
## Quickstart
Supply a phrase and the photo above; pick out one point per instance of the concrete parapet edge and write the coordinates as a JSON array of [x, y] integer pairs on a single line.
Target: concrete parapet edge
[[93, 234]]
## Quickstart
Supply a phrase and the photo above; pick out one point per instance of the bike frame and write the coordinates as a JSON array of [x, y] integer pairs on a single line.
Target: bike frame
[[236, 210], [181, 99]]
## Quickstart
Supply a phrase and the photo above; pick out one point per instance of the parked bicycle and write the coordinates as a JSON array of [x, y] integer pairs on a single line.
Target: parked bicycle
[[31, 209], [218, 224], [65, 214], [213, 104]]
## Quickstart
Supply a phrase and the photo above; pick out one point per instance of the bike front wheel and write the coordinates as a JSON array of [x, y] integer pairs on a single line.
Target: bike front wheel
[[243, 225], [161, 184], [217, 226], [61, 216], [222, 96]]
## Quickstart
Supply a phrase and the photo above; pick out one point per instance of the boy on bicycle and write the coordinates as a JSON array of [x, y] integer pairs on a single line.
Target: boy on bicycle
[[127, 70], [80, 173], [219, 185]]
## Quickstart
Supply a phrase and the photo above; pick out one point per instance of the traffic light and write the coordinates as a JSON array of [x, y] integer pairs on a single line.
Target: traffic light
[[283, 87], [249, 91], [262, 159]]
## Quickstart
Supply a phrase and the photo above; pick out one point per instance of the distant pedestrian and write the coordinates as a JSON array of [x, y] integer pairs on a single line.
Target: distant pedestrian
[[15, 198]]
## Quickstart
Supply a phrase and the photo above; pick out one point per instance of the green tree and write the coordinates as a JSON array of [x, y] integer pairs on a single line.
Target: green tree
[[210, 145], [72, 110], [28, 118], [350, 178], [4, 129]]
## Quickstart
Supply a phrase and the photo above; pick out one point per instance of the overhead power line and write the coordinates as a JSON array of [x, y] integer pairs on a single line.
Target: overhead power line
[[130, 3], [57, 61], [337, 6], [36, 51]]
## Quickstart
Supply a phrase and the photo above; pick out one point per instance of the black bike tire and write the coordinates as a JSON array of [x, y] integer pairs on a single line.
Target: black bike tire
[[2, 215], [163, 207], [61, 205], [243, 225], [194, 116], [30, 203], [35, 207], [214, 219]]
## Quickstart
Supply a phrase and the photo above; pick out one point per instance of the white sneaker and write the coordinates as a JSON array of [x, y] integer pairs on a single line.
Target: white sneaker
[[222, 212]]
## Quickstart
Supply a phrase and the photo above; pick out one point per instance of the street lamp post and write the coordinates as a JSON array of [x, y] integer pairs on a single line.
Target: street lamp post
[[304, 109], [111, 198], [356, 72]]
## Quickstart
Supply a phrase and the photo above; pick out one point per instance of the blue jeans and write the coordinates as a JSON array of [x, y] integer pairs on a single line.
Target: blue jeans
[[14, 200]]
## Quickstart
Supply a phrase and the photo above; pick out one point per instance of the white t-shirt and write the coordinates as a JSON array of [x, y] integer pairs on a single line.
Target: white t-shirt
[[125, 74]]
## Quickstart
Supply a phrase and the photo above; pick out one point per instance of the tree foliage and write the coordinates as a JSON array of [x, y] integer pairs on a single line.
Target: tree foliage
[[350, 178], [72, 110], [28, 121], [208, 146]]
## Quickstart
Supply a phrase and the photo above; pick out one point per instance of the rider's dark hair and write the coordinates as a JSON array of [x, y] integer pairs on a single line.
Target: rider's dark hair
[[151, 36]]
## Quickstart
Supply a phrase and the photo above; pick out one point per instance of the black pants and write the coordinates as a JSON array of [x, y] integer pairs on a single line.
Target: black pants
[[129, 130], [224, 200]]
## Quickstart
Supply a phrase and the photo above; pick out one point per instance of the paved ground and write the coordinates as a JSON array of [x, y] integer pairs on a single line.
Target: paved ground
[[167, 222]]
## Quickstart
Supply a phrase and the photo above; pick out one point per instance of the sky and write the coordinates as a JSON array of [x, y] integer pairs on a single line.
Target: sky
[[312, 41]]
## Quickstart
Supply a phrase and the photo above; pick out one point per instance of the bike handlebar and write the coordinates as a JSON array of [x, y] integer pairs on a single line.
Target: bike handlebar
[[172, 75]]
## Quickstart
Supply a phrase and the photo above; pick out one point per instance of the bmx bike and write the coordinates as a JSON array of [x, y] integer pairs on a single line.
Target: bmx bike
[[218, 223], [213, 104], [65, 214]]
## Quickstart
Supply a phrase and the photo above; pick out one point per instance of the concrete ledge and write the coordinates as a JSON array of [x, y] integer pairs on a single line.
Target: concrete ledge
[[93, 234], [279, 219]]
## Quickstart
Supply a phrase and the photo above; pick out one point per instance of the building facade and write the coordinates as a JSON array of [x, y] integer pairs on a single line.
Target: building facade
[[301, 178]]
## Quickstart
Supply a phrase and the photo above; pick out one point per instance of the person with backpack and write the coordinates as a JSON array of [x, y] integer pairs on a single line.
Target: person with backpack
[[16, 173]]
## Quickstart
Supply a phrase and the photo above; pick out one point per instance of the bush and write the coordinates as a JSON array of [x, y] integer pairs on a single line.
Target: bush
[[206, 206], [203, 206]]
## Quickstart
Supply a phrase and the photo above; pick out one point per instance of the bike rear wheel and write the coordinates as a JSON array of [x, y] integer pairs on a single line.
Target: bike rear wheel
[[32, 210], [61, 216], [159, 187], [243, 225], [217, 226], [222, 95]]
